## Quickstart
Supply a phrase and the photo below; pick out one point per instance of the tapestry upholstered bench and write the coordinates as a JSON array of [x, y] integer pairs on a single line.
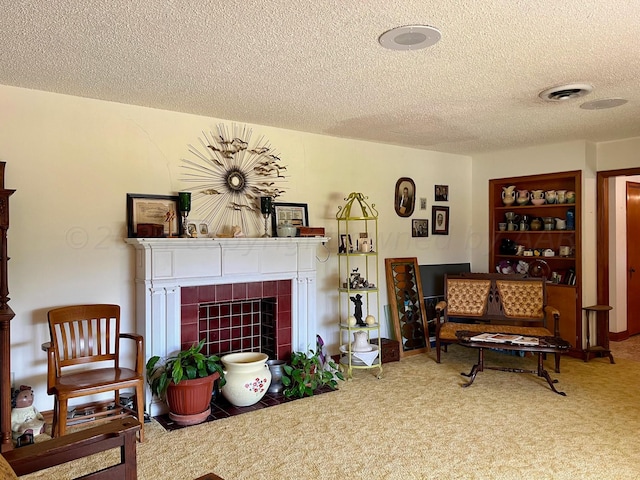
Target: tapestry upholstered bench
[[494, 303]]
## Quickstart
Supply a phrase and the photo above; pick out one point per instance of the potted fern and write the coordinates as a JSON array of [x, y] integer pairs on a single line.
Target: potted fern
[[185, 381], [305, 374]]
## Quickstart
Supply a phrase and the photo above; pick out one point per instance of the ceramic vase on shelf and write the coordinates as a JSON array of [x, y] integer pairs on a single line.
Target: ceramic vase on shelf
[[247, 377], [509, 195]]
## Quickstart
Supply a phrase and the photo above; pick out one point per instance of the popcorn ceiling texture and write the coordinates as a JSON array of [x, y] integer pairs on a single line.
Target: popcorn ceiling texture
[[317, 66]]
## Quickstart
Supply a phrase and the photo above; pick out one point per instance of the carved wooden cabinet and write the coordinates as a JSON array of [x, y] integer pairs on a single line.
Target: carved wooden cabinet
[[550, 247], [6, 315]]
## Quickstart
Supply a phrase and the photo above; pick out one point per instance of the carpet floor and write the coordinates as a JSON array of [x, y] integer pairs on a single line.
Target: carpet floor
[[416, 422]]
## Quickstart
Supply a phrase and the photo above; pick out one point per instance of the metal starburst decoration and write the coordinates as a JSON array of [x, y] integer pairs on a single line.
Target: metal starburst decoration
[[228, 176]]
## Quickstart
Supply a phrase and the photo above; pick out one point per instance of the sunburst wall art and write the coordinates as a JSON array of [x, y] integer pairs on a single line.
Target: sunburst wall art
[[228, 176]]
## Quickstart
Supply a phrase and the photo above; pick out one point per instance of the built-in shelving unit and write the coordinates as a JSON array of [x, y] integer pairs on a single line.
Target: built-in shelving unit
[[553, 250]]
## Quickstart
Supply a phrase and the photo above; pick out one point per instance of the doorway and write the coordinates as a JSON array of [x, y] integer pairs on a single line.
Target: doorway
[[633, 258], [603, 226]]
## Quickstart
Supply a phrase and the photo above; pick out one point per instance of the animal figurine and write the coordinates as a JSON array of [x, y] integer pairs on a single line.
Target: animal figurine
[[26, 421]]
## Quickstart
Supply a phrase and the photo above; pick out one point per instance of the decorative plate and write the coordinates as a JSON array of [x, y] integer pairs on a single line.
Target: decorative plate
[[539, 268], [504, 266], [522, 267]]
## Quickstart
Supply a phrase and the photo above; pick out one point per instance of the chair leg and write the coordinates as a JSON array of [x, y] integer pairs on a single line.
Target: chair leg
[[56, 415], [140, 410], [62, 417]]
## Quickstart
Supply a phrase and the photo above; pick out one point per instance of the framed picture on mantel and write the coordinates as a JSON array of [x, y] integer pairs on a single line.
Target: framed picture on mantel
[[153, 210]]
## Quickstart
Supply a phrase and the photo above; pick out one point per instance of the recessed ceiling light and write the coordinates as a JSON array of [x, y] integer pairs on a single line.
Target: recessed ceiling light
[[604, 103], [410, 37], [566, 92]]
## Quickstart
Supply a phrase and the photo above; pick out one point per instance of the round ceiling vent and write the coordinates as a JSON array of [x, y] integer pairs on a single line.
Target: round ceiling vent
[[410, 37], [566, 92]]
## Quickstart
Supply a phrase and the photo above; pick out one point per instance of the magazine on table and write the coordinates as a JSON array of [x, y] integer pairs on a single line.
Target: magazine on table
[[505, 338]]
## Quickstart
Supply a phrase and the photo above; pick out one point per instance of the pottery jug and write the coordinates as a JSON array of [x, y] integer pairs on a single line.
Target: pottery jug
[[511, 217], [550, 196], [509, 195], [561, 196], [536, 224], [523, 197], [277, 368], [561, 224], [571, 196], [361, 342], [549, 223], [537, 197], [247, 377]]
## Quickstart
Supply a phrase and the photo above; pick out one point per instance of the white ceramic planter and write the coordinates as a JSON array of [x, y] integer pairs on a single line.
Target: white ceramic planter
[[247, 377]]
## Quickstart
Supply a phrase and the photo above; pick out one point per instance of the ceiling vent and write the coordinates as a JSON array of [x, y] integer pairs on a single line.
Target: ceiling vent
[[565, 92]]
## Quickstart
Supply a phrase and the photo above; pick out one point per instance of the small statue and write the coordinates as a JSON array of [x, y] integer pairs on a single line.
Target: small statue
[[26, 421], [237, 232], [357, 301]]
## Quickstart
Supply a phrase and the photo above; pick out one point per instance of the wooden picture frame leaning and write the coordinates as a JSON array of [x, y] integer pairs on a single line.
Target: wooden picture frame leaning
[[408, 313]]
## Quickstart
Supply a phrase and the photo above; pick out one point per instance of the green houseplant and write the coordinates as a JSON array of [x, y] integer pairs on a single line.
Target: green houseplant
[[185, 381], [305, 374]]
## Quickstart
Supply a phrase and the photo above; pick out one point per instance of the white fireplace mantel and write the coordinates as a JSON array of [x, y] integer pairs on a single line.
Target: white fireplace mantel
[[164, 265]]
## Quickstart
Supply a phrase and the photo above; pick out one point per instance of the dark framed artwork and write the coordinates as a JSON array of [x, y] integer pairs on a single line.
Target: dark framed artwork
[[408, 315], [440, 220], [405, 197], [419, 228], [294, 213], [155, 210], [345, 244], [442, 193]]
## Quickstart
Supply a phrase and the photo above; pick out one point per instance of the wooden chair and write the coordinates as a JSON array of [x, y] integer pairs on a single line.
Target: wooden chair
[[120, 433], [89, 336]]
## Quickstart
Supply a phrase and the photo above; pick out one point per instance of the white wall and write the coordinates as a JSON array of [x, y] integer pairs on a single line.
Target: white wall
[[73, 160]]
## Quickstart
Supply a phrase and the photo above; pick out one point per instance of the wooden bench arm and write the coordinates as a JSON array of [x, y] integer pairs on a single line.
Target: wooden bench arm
[[116, 433], [441, 305], [549, 310]]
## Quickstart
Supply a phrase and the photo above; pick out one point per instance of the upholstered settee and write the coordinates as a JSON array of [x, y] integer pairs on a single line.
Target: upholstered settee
[[494, 303]]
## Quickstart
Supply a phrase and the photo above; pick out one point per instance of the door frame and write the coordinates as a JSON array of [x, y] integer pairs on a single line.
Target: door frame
[[602, 239]]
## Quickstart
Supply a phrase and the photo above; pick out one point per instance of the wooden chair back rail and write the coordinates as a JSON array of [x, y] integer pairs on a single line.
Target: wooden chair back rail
[[119, 433]]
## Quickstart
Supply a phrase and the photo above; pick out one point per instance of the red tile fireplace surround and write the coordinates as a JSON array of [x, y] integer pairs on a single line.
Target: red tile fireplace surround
[[227, 316], [176, 280]]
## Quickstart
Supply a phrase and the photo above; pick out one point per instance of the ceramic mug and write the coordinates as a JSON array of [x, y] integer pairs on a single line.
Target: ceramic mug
[[502, 226]]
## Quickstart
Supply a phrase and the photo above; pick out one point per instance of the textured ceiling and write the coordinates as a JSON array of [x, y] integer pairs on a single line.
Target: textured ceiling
[[317, 66]]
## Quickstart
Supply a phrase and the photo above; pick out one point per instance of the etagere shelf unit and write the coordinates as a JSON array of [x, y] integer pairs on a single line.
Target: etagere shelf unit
[[550, 246], [358, 288]]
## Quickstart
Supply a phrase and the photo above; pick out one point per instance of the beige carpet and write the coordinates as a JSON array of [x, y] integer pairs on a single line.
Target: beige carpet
[[418, 423]]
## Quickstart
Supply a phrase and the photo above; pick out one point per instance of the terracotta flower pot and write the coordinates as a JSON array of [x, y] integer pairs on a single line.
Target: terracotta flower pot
[[189, 401]]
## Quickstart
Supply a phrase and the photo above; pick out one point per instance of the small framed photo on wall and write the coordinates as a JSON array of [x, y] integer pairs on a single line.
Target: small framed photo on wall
[[442, 193], [440, 220], [419, 228]]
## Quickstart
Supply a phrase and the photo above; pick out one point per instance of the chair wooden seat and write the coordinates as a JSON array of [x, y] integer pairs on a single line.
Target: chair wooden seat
[[84, 359]]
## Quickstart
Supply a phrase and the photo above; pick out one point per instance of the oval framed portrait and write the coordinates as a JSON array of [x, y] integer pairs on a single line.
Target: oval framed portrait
[[405, 197]]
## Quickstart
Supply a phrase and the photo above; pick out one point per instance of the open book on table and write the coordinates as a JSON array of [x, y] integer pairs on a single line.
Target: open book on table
[[505, 338]]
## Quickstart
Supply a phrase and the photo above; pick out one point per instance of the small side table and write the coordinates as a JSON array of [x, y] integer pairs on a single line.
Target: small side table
[[602, 327]]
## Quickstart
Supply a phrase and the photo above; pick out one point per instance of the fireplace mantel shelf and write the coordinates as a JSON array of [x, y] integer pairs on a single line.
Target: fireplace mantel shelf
[[165, 265]]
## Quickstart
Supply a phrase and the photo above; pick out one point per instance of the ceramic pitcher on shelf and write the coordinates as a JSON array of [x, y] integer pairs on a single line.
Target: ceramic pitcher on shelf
[[509, 194], [523, 197], [537, 197], [561, 196], [550, 196]]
